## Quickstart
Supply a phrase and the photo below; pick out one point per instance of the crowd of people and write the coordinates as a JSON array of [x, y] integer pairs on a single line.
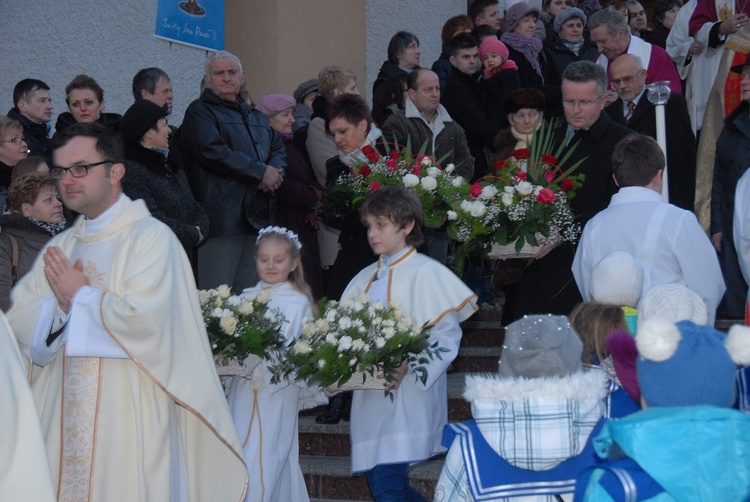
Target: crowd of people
[[114, 222]]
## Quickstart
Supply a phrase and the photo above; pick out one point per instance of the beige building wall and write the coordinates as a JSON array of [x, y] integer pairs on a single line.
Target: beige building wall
[[284, 42]]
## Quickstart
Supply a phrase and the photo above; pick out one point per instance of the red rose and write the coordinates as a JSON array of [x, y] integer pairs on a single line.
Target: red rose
[[392, 164], [476, 190], [370, 153], [520, 175], [550, 160], [567, 185], [546, 196], [394, 154], [365, 170], [499, 165], [550, 176], [375, 185], [521, 153], [417, 169]]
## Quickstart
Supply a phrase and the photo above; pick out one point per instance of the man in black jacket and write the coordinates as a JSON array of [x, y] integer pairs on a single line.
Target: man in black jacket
[[235, 164], [547, 285], [463, 101], [629, 79], [33, 109]]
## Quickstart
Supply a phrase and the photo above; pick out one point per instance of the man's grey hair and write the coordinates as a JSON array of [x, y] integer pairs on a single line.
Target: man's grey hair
[[582, 72], [220, 56], [614, 21]]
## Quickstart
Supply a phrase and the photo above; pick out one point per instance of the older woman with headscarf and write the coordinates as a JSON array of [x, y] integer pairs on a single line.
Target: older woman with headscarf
[[36, 215], [570, 46], [151, 175], [299, 194], [525, 50]]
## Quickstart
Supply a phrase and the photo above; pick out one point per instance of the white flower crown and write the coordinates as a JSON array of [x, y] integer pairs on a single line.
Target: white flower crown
[[280, 231]]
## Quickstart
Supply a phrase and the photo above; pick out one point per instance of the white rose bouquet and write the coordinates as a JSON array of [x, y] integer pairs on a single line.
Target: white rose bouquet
[[239, 326], [356, 340]]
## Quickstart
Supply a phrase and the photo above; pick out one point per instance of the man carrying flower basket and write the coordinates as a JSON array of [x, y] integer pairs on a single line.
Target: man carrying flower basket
[[387, 435]]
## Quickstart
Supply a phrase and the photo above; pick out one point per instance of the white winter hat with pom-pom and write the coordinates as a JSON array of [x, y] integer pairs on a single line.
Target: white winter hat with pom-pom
[[685, 364]]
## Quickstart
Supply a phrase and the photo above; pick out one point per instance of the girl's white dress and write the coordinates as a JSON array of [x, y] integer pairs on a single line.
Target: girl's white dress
[[266, 414]]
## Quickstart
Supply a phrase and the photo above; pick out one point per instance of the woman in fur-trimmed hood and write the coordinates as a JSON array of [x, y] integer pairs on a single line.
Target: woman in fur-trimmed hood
[[532, 422]]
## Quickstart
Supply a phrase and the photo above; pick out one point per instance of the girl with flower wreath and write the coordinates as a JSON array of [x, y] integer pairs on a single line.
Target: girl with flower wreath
[[265, 414]]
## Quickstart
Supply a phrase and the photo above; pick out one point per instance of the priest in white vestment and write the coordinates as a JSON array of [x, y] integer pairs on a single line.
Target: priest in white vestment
[[130, 403]]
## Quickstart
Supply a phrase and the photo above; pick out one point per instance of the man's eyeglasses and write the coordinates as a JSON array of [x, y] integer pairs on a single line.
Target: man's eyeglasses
[[625, 80], [75, 171], [16, 141], [583, 103]]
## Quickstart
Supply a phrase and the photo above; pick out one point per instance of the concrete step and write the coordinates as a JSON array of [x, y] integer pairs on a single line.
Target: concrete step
[[331, 478]]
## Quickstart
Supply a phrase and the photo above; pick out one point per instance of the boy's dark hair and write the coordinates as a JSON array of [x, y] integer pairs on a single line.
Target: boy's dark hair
[[460, 42], [146, 79], [481, 32], [350, 107], [477, 7], [108, 143], [636, 160], [400, 205], [25, 87], [398, 44]]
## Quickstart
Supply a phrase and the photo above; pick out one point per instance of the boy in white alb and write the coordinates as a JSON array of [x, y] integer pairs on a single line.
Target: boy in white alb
[[387, 435], [668, 242]]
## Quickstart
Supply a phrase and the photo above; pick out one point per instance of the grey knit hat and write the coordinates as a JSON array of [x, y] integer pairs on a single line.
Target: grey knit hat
[[564, 15], [305, 88], [515, 13], [541, 346]]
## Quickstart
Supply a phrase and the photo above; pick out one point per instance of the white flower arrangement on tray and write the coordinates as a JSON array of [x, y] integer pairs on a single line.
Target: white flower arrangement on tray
[[238, 326], [525, 202], [354, 341]]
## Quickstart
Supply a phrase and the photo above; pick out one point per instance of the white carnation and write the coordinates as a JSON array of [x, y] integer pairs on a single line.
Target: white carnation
[[488, 192], [380, 342], [452, 215], [321, 363], [507, 199], [357, 344], [345, 343], [246, 307], [524, 188], [410, 180], [345, 323], [302, 347], [433, 171], [429, 183], [450, 168], [331, 316], [478, 209], [457, 182], [331, 338], [389, 333], [509, 190], [217, 312], [234, 300]]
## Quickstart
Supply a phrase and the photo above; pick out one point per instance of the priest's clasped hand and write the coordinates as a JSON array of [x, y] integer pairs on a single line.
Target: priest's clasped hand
[[64, 279]]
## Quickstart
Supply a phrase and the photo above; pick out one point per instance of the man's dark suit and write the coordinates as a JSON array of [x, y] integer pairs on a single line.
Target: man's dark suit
[[681, 145]]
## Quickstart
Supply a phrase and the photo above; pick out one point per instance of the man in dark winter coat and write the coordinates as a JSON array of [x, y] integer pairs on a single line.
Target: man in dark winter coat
[[629, 79], [547, 285], [463, 101], [33, 109], [236, 164]]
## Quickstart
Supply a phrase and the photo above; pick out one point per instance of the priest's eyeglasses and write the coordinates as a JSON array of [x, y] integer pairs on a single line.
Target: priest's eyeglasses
[[76, 171]]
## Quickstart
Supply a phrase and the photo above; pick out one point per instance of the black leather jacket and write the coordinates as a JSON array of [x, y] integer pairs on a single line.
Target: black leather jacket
[[226, 147]]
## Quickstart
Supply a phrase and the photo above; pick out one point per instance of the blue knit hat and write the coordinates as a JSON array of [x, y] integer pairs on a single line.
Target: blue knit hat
[[685, 364]]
